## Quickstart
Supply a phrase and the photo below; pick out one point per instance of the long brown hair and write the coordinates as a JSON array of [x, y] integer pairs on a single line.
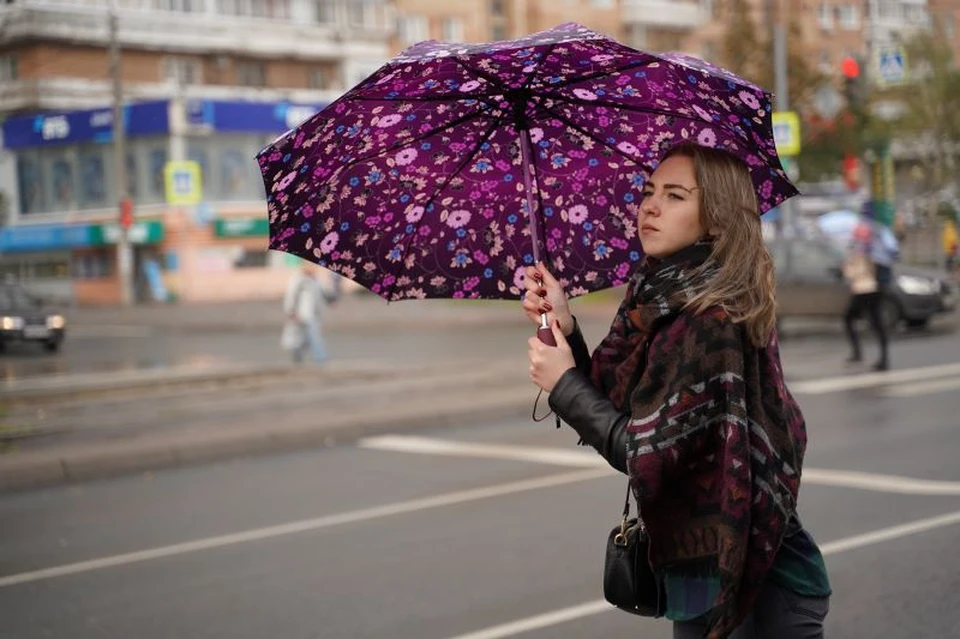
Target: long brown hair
[[744, 284]]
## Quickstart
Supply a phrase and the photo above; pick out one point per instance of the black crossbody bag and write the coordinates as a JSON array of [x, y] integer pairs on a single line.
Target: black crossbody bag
[[629, 582]]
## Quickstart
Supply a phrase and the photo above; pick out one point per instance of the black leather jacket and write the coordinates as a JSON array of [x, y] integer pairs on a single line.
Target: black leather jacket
[[588, 410]]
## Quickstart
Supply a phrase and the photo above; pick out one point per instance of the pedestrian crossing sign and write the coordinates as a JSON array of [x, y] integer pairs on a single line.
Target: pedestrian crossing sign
[[183, 182], [786, 133], [891, 66]]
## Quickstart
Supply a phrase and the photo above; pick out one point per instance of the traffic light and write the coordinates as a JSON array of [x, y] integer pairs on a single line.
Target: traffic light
[[854, 82]]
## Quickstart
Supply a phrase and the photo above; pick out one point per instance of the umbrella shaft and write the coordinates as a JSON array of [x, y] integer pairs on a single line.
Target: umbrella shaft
[[526, 161]]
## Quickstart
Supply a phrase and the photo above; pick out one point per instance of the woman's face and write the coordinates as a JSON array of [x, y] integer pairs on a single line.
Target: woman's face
[[670, 210]]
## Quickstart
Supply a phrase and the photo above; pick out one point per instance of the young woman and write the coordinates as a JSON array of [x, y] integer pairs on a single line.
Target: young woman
[[686, 396]]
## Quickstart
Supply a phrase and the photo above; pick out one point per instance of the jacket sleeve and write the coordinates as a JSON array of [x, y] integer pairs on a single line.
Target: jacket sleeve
[[581, 354], [595, 418]]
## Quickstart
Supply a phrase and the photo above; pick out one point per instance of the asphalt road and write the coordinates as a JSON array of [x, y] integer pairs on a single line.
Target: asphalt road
[[104, 344], [496, 538]]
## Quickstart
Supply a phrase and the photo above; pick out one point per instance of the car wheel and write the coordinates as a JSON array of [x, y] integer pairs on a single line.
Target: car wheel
[[918, 323], [890, 313], [52, 346]]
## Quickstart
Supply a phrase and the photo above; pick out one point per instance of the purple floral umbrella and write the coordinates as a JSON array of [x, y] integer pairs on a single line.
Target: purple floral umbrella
[[454, 166]]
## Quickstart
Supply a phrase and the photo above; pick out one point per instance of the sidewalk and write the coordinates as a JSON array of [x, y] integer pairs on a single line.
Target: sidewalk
[[358, 310], [346, 402], [157, 419]]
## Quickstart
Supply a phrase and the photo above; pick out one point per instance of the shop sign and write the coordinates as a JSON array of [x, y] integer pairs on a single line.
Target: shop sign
[[241, 227], [45, 237], [147, 232]]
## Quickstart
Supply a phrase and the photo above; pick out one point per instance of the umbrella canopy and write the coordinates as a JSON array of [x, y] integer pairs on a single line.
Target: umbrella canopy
[[452, 167]]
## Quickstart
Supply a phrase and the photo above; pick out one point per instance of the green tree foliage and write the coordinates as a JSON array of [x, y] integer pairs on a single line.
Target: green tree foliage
[[747, 50], [930, 100]]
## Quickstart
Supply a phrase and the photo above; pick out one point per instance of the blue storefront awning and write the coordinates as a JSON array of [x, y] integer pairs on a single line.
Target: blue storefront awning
[[46, 237], [152, 118]]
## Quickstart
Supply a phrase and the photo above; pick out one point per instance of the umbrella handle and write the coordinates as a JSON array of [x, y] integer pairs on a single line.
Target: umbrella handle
[[545, 333]]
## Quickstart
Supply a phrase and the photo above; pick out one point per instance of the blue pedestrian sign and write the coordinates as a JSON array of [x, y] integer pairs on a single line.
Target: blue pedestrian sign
[[183, 183], [891, 64]]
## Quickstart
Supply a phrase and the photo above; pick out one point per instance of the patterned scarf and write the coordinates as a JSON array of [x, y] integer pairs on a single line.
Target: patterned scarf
[[715, 441]]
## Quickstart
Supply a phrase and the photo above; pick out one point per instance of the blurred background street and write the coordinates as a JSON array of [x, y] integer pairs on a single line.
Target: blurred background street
[[167, 471]]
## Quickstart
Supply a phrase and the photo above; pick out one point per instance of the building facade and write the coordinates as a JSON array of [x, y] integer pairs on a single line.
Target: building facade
[[207, 81], [213, 81]]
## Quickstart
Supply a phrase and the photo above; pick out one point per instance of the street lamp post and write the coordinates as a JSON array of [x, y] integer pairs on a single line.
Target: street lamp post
[[124, 206]]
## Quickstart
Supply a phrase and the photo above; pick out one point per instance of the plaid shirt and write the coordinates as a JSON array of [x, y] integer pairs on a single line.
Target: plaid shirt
[[798, 566]]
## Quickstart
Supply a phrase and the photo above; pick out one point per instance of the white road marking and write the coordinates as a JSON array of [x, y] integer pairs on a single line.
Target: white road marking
[[587, 459], [590, 608], [880, 483], [923, 388], [430, 446], [540, 621], [869, 380], [257, 534]]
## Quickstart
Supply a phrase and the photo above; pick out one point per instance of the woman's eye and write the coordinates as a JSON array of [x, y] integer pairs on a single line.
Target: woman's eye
[[674, 196]]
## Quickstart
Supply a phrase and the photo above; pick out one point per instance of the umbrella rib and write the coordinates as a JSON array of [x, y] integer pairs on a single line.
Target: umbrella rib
[[436, 194], [650, 110], [570, 123], [437, 98], [492, 79], [600, 74], [449, 125]]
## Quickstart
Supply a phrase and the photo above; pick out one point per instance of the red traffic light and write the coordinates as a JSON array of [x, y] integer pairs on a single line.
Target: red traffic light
[[126, 213], [850, 67]]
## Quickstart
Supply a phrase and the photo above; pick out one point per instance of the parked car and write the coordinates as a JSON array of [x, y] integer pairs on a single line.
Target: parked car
[[810, 284], [24, 318]]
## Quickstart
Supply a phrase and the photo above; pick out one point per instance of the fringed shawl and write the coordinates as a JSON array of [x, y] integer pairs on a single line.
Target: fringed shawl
[[715, 440]]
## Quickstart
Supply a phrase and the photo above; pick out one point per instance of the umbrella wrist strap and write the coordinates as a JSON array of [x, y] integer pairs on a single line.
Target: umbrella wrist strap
[[536, 403]]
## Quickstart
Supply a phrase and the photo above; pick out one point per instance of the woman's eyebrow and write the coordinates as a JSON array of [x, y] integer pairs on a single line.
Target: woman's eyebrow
[[651, 184]]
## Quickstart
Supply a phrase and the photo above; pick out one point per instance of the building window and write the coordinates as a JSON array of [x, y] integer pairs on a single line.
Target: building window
[[709, 50], [93, 179], [276, 9], [708, 9], [186, 71], [317, 79], [825, 16], [246, 258], [848, 17], [251, 74], [30, 182], [413, 28], [326, 11], [452, 30], [9, 68], [179, 6]]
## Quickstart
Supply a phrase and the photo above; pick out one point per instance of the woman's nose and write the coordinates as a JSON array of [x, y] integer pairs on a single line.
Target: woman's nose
[[649, 206]]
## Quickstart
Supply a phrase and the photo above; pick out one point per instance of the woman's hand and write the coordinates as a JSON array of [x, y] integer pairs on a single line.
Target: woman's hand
[[549, 363], [545, 295]]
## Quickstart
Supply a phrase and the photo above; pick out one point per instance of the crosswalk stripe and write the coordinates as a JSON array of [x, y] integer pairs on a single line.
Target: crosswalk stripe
[[923, 388], [587, 458], [870, 380]]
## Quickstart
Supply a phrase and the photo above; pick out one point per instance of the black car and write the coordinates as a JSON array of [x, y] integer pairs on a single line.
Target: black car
[[24, 318], [810, 284]]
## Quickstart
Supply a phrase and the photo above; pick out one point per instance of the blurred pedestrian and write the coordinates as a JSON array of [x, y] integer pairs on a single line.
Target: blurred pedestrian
[[686, 396], [951, 245], [869, 274], [304, 304]]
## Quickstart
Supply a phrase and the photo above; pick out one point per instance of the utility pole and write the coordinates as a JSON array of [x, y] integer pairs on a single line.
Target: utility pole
[[124, 206], [782, 95]]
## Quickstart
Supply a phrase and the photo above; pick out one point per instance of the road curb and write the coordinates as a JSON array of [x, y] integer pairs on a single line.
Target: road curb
[[28, 470]]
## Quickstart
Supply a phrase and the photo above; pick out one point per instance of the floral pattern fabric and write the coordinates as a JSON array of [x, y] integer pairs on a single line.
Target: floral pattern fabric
[[412, 183]]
